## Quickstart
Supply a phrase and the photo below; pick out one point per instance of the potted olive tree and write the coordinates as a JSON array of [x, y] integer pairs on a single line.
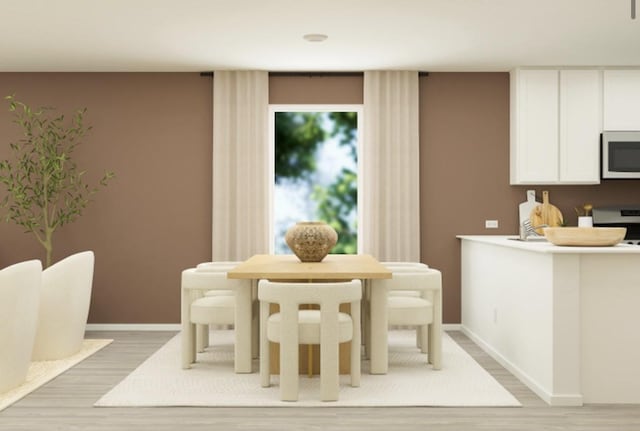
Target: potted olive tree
[[46, 190]]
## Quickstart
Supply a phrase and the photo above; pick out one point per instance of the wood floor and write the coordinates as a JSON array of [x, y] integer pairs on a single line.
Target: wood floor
[[66, 403]]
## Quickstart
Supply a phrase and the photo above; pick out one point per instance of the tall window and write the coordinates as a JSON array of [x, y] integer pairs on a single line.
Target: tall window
[[315, 153]]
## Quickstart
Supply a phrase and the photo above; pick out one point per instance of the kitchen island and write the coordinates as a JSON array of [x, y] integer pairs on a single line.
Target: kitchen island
[[564, 320]]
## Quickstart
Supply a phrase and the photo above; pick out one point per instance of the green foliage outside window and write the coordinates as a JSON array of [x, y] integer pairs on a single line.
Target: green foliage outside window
[[299, 135]]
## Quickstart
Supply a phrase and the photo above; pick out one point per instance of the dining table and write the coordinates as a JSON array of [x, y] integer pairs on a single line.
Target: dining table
[[334, 267]]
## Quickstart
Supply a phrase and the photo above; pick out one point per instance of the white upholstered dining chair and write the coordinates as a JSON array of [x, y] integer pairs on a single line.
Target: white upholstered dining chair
[[326, 326], [202, 331], [394, 267], [225, 309], [423, 311]]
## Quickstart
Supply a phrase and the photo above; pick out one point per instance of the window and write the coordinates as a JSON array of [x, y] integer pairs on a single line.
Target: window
[[315, 170]]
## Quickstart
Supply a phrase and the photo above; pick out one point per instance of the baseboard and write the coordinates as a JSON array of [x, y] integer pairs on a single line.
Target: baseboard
[[133, 327], [176, 327], [551, 399]]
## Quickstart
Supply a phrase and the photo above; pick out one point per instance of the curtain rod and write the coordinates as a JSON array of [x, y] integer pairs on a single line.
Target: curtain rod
[[311, 74]]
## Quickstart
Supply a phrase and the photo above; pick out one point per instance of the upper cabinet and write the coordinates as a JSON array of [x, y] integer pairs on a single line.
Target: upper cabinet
[[534, 126], [621, 100], [556, 119]]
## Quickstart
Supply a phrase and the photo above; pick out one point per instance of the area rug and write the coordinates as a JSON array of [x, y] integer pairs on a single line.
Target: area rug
[[40, 372], [160, 381]]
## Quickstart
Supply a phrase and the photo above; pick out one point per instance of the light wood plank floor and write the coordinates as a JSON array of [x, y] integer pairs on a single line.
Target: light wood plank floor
[[66, 403]]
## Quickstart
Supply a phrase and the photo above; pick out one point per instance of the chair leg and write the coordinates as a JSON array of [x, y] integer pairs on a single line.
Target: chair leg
[[422, 333], [255, 337], [329, 369], [188, 355], [435, 346], [202, 337], [289, 353], [265, 372], [355, 345]]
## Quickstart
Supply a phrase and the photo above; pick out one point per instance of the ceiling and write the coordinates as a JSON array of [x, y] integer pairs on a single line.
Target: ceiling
[[427, 35]]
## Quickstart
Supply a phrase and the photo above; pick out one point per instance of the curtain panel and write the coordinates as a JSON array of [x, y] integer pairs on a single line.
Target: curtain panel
[[240, 165], [390, 166]]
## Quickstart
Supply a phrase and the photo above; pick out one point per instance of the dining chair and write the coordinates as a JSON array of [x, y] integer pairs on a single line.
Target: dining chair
[[326, 326], [202, 331], [394, 266], [423, 312], [235, 309], [20, 286]]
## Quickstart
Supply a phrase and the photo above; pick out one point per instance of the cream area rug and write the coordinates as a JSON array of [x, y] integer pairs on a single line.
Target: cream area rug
[[40, 372], [160, 381]]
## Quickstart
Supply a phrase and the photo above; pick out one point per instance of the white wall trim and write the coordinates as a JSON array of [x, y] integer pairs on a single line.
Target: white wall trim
[[176, 327], [133, 327], [551, 399]]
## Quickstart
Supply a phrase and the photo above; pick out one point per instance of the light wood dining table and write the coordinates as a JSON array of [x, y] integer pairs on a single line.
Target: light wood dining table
[[334, 267]]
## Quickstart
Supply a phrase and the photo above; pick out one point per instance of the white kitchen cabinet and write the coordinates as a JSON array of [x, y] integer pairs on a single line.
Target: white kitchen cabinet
[[558, 318], [556, 118], [622, 99], [580, 126], [534, 126]]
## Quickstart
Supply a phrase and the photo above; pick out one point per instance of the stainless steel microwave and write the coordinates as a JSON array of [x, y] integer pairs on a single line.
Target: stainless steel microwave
[[620, 155]]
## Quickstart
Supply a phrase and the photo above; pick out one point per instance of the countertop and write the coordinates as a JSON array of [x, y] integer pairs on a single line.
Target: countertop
[[546, 247]]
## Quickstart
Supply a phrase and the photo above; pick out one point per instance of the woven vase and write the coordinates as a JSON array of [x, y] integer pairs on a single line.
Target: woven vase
[[311, 241]]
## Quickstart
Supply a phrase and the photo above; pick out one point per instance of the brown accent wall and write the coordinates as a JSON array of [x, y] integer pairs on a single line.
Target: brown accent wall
[[315, 89], [155, 131]]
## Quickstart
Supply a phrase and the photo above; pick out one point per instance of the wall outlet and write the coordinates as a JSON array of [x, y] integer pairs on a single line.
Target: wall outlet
[[495, 315], [491, 224]]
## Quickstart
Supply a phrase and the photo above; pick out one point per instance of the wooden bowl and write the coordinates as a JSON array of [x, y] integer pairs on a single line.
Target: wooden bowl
[[585, 236]]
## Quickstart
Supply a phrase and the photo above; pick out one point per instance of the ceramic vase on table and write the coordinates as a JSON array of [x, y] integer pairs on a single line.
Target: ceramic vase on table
[[311, 241]]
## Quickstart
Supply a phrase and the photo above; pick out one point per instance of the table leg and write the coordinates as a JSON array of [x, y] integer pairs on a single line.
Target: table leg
[[242, 348], [379, 331]]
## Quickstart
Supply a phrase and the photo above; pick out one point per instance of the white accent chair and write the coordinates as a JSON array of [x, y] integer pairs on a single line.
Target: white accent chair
[[233, 310], [19, 301], [327, 327], [424, 312], [64, 307]]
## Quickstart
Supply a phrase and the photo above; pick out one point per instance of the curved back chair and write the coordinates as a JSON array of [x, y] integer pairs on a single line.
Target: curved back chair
[[234, 309], [64, 307], [395, 267], [325, 326], [202, 331], [19, 301], [423, 311]]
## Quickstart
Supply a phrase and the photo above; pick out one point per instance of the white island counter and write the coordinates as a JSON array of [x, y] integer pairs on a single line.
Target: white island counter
[[564, 320]]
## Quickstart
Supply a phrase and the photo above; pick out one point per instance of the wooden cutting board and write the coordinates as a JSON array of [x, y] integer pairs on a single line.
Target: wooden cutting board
[[545, 213], [525, 208]]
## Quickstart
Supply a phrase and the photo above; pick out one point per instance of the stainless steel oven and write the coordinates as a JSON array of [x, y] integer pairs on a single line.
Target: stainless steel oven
[[620, 216]]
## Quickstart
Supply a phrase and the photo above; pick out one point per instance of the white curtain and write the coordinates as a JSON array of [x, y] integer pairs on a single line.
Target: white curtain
[[240, 164], [390, 166]]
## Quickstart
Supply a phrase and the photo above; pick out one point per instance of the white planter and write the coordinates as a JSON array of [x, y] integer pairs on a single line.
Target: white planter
[[19, 302], [64, 307]]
